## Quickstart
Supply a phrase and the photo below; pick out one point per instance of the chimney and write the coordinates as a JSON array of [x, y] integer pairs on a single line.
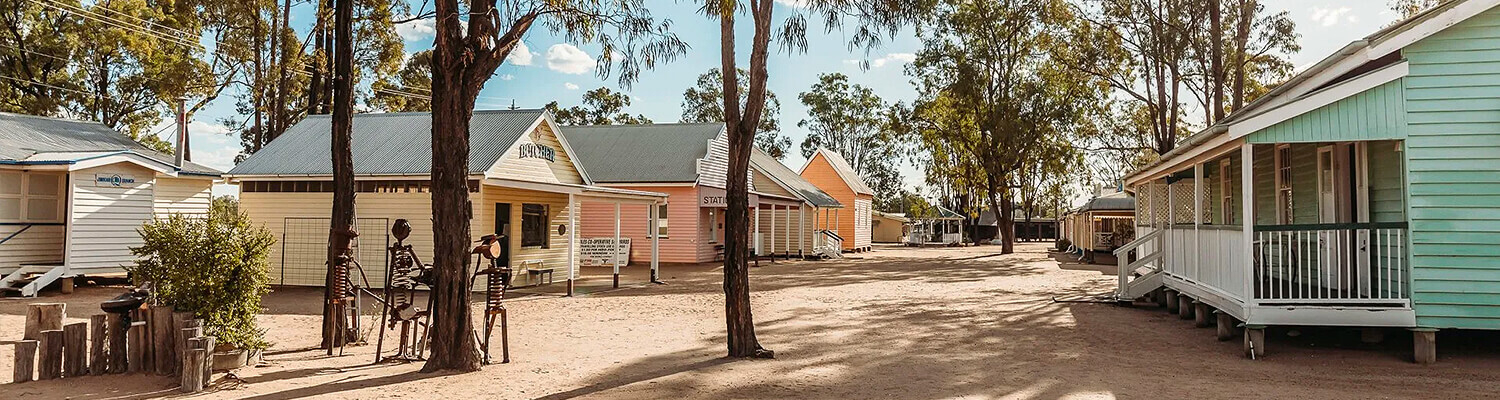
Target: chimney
[[181, 133]]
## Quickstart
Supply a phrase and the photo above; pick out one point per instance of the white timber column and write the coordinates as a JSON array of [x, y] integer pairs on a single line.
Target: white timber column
[[572, 242], [1247, 201], [1198, 220], [758, 243], [655, 243], [616, 249], [773, 233], [801, 239], [787, 213]]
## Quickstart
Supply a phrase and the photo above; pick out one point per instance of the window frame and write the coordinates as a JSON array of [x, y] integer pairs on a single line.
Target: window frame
[[546, 214], [1283, 190], [661, 231], [24, 198], [1226, 189]]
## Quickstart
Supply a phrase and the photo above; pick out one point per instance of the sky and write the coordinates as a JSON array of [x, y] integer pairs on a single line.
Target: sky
[[552, 69]]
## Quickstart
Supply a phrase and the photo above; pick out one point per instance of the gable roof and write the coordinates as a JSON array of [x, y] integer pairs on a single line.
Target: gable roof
[[1376, 54], [1117, 201], [34, 140], [387, 144], [891, 216], [842, 168], [790, 181], [651, 153]]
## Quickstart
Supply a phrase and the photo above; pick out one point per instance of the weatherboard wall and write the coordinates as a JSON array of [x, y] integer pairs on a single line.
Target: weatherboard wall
[[1453, 161]]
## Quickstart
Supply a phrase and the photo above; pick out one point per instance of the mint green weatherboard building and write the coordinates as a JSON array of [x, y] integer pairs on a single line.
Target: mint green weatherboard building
[[1364, 192]]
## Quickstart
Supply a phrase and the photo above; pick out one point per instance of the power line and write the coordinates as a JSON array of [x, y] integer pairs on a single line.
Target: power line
[[116, 23], [32, 82], [36, 53]]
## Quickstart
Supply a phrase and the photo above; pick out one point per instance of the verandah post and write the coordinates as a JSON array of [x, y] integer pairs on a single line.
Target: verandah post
[[1247, 201], [1198, 220], [572, 242], [616, 248], [655, 242]]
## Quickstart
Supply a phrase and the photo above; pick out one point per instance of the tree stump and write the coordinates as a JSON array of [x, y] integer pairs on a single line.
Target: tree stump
[[44, 317], [192, 370], [75, 349], [163, 340], [98, 330], [207, 344], [191, 329], [136, 347], [50, 363], [65, 285], [117, 356], [25, 361]]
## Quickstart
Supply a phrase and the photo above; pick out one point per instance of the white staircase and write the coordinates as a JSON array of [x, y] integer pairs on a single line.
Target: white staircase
[[30, 279], [1138, 278], [828, 245]]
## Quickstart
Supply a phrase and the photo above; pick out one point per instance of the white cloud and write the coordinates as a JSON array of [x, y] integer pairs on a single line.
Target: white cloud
[[889, 58], [521, 55], [570, 86], [1332, 16], [569, 59], [507, 77], [416, 30]]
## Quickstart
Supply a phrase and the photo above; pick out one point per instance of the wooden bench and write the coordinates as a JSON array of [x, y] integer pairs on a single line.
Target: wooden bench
[[535, 270]]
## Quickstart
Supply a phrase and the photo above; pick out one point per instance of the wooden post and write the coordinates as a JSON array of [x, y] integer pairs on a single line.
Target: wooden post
[[75, 349], [207, 344], [117, 357], [136, 346], [1225, 325], [1172, 301], [44, 317], [193, 329], [50, 364], [1184, 307], [1200, 315], [25, 361], [142, 317], [65, 285], [192, 370], [1424, 345], [98, 330], [163, 340], [1255, 341]]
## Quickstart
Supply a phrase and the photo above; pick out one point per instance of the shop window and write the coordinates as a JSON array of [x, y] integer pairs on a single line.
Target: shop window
[[534, 223], [661, 221], [30, 197], [1284, 210]]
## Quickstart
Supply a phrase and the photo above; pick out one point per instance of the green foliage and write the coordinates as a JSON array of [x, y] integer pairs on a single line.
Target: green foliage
[[705, 103], [852, 120], [216, 267], [398, 93], [1409, 8], [601, 106]]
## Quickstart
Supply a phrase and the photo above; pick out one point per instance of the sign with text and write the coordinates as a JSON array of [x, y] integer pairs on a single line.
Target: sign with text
[[595, 252], [533, 150], [712, 197], [114, 180]]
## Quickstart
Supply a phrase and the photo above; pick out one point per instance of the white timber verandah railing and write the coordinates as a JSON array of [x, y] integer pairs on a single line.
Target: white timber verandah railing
[[1358, 263], [1139, 267]]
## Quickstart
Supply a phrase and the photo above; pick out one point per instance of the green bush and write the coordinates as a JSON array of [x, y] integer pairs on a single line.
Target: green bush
[[216, 267]]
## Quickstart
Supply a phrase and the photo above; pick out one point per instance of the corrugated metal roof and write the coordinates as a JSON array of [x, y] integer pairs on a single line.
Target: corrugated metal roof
[[988, 218], [1112, 201], [841, 166], [33, 139], [386, 144], [654, 153], [790, 181]]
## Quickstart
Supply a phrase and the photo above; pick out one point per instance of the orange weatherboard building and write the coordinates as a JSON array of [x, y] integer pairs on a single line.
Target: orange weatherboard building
[[829, 171]]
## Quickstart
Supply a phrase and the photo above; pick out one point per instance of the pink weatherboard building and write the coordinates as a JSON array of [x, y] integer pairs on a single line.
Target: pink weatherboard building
[[688, 162]]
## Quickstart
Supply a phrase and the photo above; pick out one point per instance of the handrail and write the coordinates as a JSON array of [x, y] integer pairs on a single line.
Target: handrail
[[1330, 227], [1138, 242], [24, 227]]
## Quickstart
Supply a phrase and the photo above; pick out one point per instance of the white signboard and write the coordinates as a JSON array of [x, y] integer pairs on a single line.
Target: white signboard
[[712, 197], [595, 252], [114, 180]]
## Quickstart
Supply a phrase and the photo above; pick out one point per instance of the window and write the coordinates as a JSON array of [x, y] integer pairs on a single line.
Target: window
[[661, 221], [31, 197], [534, 223], [1226, 192], [713, 226], [1284, 184]]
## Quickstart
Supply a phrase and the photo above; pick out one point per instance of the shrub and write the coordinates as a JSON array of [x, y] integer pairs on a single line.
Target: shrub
[[215, 266]]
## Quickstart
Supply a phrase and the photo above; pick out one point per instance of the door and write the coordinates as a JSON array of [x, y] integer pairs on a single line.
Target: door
[[502, 231], [1336, 206]]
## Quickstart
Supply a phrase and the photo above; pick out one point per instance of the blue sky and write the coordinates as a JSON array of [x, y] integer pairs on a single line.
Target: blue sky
[[554, 70]]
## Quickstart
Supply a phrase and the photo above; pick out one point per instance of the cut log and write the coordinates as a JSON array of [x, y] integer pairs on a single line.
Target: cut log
[[44, 317], [98, 331], [206, 343], [163, 340], [76, 349], [116, 353], [50, 362], [142, 317], [25, 366], [137, 347], [192, 329], [192, 370]]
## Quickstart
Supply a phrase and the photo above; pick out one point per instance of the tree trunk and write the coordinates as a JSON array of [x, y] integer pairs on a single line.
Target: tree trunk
[[1241, 41], [279, 119], [739, 321], [341, 225], [315, 82], [255, 81], [1216, 60]]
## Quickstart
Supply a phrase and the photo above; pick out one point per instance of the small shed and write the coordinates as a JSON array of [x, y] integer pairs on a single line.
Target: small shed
[[73, 193], [941, 227], [889, 227]]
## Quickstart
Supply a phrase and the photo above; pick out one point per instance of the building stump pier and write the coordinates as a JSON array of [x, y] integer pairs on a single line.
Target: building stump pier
[[1184, 307], [1424, 345], [1171, 300], [1255, 341], [1200, 315], [1225, 323]]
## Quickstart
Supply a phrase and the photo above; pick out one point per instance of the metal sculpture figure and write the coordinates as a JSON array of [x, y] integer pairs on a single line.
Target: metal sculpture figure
[[496, 250], [402, 276]]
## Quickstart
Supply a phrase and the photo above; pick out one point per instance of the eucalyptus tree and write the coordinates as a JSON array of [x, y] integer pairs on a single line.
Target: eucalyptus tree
[[992, 90], [473, 39], [872, 21], [704, 102], [601, 106], [853, 121], [406, 90]]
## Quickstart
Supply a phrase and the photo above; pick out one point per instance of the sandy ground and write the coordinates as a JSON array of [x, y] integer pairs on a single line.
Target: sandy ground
[[896, 323]]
